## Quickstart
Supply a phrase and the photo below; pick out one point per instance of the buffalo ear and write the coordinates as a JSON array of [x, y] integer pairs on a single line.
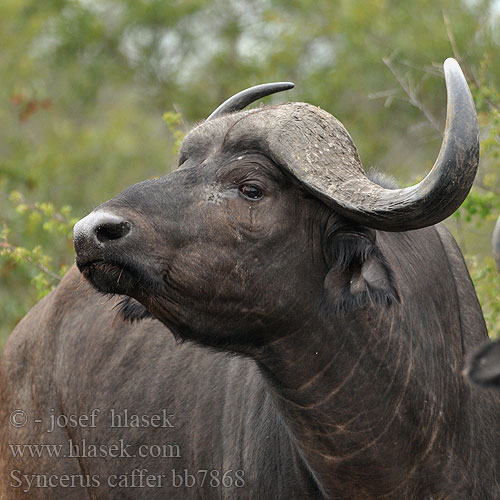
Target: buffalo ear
[[359, 274], [483, 366]]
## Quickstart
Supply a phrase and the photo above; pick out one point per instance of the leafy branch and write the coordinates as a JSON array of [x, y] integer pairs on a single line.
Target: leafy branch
[[50, 220]]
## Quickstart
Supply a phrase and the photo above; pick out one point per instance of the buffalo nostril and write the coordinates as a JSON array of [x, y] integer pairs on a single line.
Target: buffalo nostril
[[111, 230]]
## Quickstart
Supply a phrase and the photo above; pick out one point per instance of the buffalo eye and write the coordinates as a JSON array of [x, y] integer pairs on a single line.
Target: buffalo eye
[[251, 191]]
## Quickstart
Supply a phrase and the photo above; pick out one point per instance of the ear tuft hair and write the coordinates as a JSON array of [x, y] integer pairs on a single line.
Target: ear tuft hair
[[359, 275], [343, 250]]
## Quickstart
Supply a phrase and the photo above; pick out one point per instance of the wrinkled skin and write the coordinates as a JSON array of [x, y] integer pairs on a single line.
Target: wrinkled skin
[[346, 345], [220, 224]]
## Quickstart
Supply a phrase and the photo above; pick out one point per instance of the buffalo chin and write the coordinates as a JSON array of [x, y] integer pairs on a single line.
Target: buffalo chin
[[109, 277]]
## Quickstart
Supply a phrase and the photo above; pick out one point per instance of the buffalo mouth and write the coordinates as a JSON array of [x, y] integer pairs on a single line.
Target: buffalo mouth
[[115, 277], [120, 279]]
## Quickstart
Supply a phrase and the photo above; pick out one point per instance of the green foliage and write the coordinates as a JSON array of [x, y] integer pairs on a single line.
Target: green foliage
[[174, 122], [44, 218], [479, 206], [29, 270], [84, 84]]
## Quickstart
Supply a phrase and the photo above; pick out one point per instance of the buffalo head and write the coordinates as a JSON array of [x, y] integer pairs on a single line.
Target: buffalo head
[[268, 218]]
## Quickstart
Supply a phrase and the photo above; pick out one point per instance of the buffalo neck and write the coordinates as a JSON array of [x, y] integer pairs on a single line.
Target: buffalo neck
[[352, 398]]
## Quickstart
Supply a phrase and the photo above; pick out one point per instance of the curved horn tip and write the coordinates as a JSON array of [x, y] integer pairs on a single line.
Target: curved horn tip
[[242, 99], [450, 63], [459, 94], [451, 67]]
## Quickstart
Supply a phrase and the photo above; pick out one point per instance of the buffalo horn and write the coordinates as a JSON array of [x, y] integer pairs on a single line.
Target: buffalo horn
[[246, 97], [326, 163]]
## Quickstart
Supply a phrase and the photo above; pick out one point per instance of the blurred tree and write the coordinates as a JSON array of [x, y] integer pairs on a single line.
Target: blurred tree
[[84, 84]]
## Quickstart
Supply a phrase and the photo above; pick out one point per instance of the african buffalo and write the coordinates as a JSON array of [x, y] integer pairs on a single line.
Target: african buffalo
[[320, 322], [483, 367]]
